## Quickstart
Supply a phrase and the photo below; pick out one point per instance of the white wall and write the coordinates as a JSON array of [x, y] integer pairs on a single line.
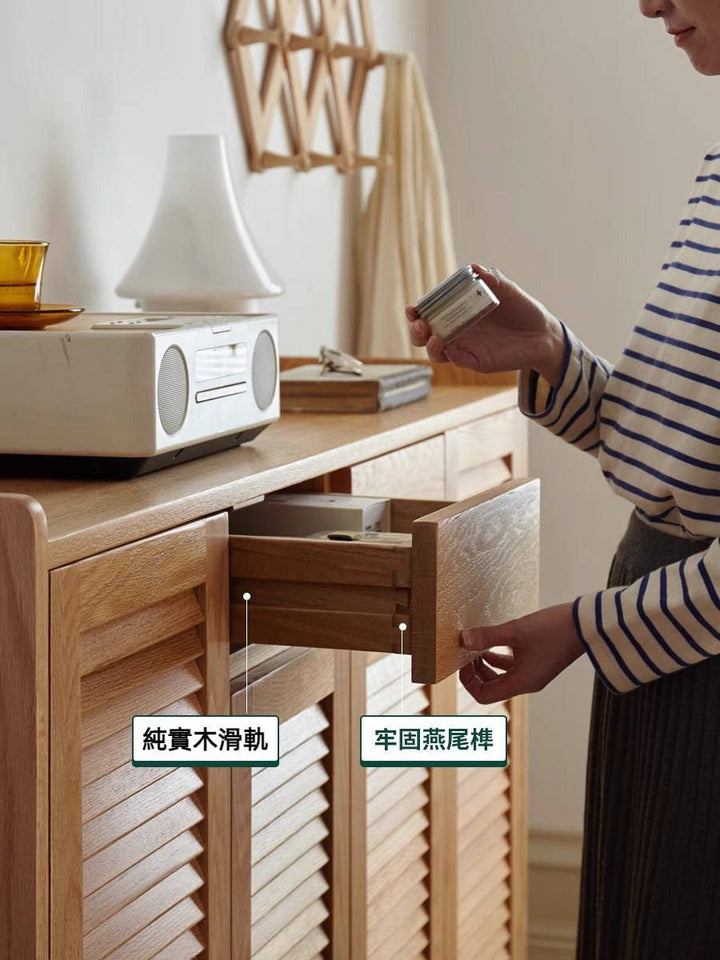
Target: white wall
[[571, 133], [91, 90]]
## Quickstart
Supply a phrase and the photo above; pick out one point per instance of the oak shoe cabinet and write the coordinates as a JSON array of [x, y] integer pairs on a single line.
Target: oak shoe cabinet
[[119, 599]]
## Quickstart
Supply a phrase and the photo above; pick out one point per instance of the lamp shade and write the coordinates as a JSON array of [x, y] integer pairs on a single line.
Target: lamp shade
[[198, 253]]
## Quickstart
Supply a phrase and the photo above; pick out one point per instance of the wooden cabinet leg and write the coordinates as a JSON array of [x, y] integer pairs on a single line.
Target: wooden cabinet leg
[[24, 720]]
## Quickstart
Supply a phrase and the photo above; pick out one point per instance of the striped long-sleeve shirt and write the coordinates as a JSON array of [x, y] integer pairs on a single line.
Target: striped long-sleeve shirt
[[653, 423]]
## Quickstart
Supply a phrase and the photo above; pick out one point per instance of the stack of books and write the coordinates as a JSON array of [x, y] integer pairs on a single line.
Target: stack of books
[[378, 386]]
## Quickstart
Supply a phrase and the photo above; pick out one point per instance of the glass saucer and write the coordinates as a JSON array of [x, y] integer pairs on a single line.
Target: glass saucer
[[43, 315]]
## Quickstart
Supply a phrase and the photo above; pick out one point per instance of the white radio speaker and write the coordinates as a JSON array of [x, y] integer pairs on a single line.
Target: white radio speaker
[[117, 395]]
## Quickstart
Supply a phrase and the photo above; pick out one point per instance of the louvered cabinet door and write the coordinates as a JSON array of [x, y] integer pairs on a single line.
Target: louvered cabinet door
[[291, 823], [140, 866], [398, 815], [491, 911]]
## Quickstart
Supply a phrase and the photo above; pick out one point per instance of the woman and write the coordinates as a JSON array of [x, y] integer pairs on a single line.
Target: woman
[[651, 858]]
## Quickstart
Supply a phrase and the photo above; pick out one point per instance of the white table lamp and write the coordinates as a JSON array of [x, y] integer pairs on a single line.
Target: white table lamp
[[198, 253]]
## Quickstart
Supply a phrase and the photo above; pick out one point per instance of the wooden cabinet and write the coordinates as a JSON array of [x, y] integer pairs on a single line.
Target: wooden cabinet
[[139, 856], [117, 601]]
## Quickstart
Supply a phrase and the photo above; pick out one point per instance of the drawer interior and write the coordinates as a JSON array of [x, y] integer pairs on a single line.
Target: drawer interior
[[460, 564], [332, 593]]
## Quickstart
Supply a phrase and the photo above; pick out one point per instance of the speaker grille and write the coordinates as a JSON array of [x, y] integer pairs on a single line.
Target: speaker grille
[[264, 370], [172, 390]]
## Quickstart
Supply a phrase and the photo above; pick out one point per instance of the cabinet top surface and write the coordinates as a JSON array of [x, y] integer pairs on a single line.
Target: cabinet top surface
[[87, 517]]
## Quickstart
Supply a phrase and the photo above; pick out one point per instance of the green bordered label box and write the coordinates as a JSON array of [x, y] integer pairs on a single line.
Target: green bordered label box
[[207, 741], [433, 741]]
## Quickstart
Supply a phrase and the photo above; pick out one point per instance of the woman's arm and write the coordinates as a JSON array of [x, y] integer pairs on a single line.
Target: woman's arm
[[560, 381], [570, 406], [665, 621]]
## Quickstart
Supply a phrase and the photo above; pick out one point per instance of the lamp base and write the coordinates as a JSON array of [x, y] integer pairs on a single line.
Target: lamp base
[[245, 306]]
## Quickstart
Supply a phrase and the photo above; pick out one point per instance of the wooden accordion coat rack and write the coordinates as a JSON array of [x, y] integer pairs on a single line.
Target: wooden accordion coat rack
[[282, 88]]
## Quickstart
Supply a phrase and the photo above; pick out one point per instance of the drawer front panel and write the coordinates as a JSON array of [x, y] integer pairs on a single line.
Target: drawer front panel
[[130, 846], [480, 454], [414, 471], [473, 563]]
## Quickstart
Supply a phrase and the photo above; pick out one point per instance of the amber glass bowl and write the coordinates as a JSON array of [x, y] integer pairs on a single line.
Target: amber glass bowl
[[21, 269]]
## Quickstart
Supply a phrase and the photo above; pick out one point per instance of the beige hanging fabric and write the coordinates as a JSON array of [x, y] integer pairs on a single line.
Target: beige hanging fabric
[[405, 243]]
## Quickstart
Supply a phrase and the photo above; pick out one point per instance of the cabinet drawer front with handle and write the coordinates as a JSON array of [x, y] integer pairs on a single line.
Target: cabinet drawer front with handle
[[469, 563]]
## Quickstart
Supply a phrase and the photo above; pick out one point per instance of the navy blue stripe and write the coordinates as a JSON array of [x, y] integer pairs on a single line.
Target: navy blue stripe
[[665, 421], [653, 630], [673, 620], [692, 245], [680, 344], [658, 518], [685, 317], [605, 366], [695, 515], [691, 606], [659, 475], [590, 449], [596, 665], [709, 586], [656, 445], [636, 490], [573, 391], [581, 409], [678, 398], [638, 647], [703, 198], [693, 294], [697, 271], [707, 176], [589, 429], [711, 224], [591, 426], [611, 646], [671, 368], [552, 397]]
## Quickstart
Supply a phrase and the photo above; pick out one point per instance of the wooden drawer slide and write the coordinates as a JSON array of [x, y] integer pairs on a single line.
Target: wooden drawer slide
[[469, 563]]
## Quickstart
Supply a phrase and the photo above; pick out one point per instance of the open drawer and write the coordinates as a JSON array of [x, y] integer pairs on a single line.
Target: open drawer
[[468, 563]]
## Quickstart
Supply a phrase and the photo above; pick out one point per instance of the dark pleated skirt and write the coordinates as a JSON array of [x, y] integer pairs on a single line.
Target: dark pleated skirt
[[651, 855]]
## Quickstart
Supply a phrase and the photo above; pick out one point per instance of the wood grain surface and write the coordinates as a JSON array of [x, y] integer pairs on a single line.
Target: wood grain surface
[[290, 851], [87, 517], [141, 625], [474, 453], [415, 471], [474, 563], [137, 852], [24, 720]]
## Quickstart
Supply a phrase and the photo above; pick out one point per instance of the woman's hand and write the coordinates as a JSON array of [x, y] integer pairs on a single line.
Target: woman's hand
[[519, 334], [542, 645]]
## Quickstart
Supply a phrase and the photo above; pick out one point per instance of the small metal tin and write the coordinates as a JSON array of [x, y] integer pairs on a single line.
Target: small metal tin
[[456, 304]]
